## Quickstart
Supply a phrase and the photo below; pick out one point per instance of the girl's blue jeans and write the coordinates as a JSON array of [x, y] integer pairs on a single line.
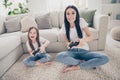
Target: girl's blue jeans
[[73, 57], [31, 60]]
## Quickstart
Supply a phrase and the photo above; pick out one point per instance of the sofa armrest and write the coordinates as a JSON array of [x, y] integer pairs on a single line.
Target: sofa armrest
[[101, 23]]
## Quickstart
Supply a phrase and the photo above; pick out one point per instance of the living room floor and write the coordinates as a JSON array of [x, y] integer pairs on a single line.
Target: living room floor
[[109, 71]]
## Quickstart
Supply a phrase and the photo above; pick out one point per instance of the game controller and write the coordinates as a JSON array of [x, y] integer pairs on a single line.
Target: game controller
[[36, 51], [73, 44]]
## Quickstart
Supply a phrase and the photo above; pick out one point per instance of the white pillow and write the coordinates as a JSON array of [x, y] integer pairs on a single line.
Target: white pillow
[[2, 28], [13, 24], [27, 22]]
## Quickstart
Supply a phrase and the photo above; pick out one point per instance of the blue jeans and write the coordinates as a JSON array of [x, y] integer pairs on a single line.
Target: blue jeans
[[73, 57], [31, 60]]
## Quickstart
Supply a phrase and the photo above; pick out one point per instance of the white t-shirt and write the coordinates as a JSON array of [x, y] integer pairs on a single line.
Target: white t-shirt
[[35, 45], [73, 32]]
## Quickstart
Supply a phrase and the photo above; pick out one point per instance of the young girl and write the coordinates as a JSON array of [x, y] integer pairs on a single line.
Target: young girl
[[36, 47], [78, 56]]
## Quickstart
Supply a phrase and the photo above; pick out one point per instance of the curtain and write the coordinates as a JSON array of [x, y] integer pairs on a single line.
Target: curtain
[[58, 5]]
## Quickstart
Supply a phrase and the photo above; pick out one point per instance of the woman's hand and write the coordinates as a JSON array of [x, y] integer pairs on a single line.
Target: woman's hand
[[42, 49], [67, 44], [82, 43], [32, 55]]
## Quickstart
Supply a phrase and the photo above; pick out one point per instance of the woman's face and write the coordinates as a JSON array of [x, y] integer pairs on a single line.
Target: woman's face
[[71, 15], [32, 34]]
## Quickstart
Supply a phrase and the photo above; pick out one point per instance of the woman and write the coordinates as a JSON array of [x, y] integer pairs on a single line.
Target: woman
[[36, 47], [78, 56]]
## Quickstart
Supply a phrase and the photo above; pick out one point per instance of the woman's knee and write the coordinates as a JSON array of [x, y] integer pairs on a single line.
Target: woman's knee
[[105, 58]]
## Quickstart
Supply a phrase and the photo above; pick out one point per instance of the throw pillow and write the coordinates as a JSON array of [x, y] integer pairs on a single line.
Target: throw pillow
[[2, 28], [88, 16], [43, 21], [27, 22], [12, 25]]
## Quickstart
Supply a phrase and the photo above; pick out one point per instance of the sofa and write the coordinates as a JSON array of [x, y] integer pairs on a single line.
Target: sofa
[[13, 34]]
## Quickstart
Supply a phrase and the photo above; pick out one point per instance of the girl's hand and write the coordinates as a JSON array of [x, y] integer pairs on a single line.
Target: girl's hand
[[42, 49], [31, 53]]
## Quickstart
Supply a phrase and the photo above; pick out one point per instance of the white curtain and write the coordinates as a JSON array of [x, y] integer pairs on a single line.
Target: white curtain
[[58, 5], [2, 9]]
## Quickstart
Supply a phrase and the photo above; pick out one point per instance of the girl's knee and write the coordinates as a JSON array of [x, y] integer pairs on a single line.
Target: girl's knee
[[49, 57], [27, 64], [24, 62]]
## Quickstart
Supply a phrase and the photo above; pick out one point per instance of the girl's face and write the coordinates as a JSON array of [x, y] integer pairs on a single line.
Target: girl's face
[[71, 15], [32, 34]]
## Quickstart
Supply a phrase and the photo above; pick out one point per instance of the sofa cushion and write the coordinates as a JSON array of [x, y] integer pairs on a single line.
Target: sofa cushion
[[95, 33], [49, 34], [2, 28], [27, 22], [13, 24], [54, 20], [18, 33], [43, 21], [61, 18], [88, 16], [115, 33], [8, 44], [12, 17], [20, 15]]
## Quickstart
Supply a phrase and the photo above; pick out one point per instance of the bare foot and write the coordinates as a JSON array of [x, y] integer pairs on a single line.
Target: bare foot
[[47, 63], [38, 63], [71, 68]]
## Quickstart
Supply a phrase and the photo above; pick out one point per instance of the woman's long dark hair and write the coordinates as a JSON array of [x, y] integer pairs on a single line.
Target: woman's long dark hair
[[37, 38], [77, 23]]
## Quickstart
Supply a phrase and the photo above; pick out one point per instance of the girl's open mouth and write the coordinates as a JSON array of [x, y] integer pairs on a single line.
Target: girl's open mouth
[[32, 36]]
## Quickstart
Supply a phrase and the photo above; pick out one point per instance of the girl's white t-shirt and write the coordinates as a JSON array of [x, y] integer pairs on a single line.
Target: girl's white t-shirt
[[35, 45], [73, 32]]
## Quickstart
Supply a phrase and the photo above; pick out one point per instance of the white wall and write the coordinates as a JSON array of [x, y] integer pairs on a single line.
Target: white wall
[[37, 6], [2, 9], [43, 5], [94, 4], [47, 5]]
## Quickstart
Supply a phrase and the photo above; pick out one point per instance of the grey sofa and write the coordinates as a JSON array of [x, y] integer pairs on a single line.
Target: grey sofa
[[13, 37]]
